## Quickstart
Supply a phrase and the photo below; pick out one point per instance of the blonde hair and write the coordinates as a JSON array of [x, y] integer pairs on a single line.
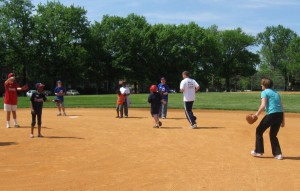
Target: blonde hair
[[267, 82]]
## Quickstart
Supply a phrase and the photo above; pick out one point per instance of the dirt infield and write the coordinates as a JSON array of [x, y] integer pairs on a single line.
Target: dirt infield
[[92, 150]]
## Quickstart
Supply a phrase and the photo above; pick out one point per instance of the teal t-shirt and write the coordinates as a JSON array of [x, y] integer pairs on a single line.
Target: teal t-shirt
[[273, 101]]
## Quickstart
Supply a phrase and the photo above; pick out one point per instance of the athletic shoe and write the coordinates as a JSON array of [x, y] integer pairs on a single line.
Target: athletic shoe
[[65, 114], [31, 136], [194, 126], [126, 116], [160, 123], [279, 157], [255, 154], [117, 117], [40, 136], [164, 117], [155, 126], [7, 126], [17, 126], [59, 114]]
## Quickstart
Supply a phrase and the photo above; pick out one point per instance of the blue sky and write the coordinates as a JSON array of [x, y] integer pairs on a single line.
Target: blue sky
[[253, 16]]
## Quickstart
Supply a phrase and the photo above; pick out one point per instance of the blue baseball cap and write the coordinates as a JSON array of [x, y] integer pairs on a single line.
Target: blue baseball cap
[[59, 81]]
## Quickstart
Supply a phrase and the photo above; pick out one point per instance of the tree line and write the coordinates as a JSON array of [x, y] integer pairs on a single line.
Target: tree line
[[53, 41]]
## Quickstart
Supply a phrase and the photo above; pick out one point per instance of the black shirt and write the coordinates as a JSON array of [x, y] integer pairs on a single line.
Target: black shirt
[[37, 99], [155, 100]]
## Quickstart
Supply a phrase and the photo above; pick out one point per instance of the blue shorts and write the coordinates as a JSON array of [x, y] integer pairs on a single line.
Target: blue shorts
[[61, 104]]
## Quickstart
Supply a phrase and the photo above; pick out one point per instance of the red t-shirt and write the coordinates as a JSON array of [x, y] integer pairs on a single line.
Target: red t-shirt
[[11, 93]]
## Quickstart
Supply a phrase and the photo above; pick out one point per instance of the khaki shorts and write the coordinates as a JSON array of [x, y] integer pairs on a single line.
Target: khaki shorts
[[8, 107]]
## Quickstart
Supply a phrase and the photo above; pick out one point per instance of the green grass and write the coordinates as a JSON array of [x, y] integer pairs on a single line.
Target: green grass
[[219, 101]]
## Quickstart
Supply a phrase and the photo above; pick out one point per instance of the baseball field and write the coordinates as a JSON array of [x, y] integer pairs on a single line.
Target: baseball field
[[92, 150]]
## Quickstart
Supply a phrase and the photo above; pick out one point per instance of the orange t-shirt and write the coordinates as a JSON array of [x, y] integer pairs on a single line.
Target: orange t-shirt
[[121, 99]]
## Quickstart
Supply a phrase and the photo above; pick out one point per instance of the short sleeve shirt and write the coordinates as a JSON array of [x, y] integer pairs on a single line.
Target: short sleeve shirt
[[125, 90], [163, 88], [11, 93], [155, 100], [273, 101], [188, 86], [37, 99], [59, 90]]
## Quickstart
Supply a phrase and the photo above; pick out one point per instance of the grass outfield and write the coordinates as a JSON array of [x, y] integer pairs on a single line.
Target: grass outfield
[[218, 101]]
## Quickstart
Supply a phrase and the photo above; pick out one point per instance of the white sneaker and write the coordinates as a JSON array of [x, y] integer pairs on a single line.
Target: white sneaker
[[279, 157], [7, 126], [40, 136], [164, 117], [17, 126], [194, 126], [253, 153], [31, 136]]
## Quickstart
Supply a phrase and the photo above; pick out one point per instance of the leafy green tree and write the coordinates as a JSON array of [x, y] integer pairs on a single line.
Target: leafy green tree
[[99, 67], [293, 53], [275, 41], [60, 33], [16, 28], [236, 58], [125, 42]]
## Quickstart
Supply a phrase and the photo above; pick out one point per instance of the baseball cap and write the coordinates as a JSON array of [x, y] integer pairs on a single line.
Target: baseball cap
[[39, 85], [10, 75], [59, 81], [153, 88], [163, 78]]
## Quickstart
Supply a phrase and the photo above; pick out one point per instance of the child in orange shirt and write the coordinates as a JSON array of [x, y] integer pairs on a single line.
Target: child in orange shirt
[[120, 102]]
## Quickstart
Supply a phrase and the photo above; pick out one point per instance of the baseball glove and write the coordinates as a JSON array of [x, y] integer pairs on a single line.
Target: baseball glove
[[56, 101], [251, 118], [24, 88]]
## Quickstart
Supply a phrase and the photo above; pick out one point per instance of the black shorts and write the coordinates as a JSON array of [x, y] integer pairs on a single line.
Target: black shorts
[[154, 110]]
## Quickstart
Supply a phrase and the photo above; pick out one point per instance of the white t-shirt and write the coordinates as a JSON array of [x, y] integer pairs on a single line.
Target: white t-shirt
[[188, 86], [124, 90]]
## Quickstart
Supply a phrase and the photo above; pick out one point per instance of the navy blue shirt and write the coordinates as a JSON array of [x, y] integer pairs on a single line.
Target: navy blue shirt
[[37, 99]]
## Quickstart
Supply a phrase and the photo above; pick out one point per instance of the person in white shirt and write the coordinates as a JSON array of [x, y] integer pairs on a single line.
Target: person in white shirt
[[189, 87], [126, 91]]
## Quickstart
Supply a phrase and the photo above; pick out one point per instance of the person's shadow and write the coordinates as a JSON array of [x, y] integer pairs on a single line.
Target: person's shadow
[[61, 137], [7, 143], [209, 128], [291, 158]]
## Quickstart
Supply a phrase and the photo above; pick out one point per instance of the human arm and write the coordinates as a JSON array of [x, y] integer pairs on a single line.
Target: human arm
[[31, 103], [149, 98], [283, 118], [23, 88], [197, 86], [167, 90], [9, 80], [262, 106], [181, 88]]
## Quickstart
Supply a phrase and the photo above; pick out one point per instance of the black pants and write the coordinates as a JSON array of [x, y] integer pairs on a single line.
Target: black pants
[[188, 106], [274, 121], [38, 115]]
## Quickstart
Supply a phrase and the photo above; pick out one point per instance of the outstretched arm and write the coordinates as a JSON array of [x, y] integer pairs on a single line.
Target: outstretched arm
[[262, 106]]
